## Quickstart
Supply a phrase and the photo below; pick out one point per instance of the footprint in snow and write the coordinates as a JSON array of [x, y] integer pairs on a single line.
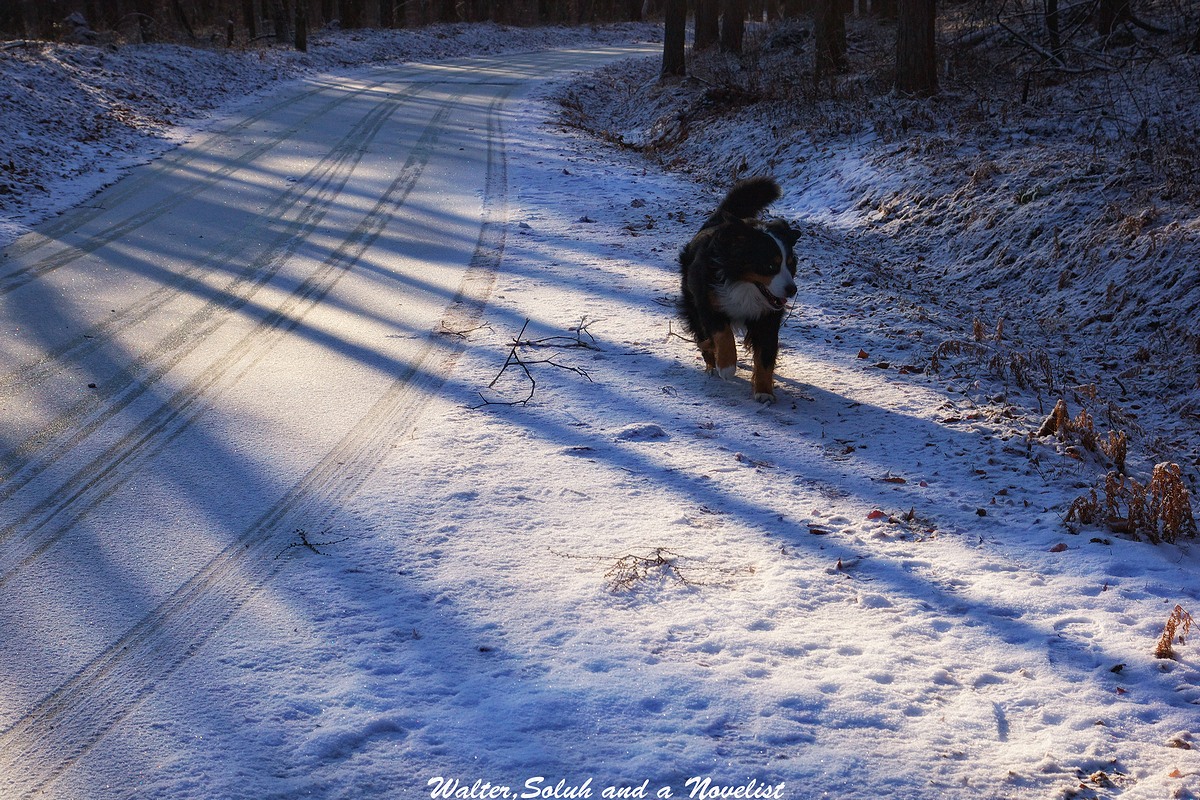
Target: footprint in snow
[[641, 432]]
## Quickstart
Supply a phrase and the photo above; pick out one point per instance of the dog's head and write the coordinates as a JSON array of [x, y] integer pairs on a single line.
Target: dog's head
[[759, 253]]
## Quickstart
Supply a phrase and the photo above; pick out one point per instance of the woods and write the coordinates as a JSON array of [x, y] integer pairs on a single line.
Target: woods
[[1055, 33], [242, 20]]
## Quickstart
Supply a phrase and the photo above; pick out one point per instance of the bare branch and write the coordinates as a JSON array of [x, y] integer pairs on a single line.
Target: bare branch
[[304, 542]]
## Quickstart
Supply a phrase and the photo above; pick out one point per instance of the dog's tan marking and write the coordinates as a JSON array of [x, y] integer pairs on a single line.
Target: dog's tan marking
[[762, 380], [725, 348]]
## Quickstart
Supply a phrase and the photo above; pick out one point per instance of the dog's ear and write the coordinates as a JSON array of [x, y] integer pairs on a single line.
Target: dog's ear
[[783, 231]]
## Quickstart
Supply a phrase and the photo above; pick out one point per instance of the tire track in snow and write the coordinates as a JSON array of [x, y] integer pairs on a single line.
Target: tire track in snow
[[48, 739], [298, 211], [310, 192], [26, 539], [66, 255]]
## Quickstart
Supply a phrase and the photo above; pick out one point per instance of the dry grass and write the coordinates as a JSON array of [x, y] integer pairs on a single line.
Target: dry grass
[[1169, 506], [1176, 628], [1160, 510], [988, 348], [1116, 447], [1081, 428]]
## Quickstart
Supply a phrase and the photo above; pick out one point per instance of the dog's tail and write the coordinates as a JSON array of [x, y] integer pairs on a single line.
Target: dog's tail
[[749, 197]]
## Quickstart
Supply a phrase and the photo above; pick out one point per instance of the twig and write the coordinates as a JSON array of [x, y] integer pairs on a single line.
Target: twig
[[304, 542], [515, 358], [446, 330], [558, 341], [671, 332]]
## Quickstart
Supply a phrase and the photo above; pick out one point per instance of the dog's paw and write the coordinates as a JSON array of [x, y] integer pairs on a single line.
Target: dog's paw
[[726, 373], [764, 397]]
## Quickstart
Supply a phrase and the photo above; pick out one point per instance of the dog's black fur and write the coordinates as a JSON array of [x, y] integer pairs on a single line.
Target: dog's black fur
[[739, 272]]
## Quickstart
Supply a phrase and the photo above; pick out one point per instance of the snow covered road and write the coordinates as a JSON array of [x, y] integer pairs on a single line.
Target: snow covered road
[[210, 357]]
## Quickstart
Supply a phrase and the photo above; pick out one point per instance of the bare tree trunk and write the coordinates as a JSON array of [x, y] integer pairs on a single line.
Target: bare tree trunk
[[145, 19], [1052, 29], [10, 18], [829, 31], [675, 29], [250, 19], [733, 25], [181, 15], [100, 15], [916, 56], [279, 17], [39, 17], [708, 24], [302, 26]]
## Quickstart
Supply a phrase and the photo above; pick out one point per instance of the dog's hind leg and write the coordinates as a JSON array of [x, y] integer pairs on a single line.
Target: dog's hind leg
[[725, 352], [706, 350]]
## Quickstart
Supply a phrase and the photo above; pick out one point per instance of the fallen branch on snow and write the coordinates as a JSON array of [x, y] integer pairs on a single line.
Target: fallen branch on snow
[[304, 542], [514, 357]]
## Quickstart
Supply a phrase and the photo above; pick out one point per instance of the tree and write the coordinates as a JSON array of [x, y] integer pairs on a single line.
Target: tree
[[352, 13], [733, 25], [708, 24], [301, 26], [916, 55], [884, 9], [674, 31], [829, 31], [144, 9], [279, 17], [250, 19], [1110, 14], [1053, 33]]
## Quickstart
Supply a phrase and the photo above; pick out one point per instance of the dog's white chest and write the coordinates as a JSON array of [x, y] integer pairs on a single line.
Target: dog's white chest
[[741, 301]]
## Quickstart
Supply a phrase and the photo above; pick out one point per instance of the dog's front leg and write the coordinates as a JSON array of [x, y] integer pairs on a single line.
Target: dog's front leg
[[725, 352], [763, 339], [763, 381]]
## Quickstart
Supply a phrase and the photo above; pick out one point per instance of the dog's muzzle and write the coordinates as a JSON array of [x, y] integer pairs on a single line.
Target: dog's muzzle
[[776, 302]]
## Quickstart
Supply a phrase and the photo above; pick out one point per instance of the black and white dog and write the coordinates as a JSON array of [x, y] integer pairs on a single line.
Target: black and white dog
[[738, 273]]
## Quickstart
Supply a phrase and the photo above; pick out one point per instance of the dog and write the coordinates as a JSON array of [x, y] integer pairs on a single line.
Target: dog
[[738, 274]]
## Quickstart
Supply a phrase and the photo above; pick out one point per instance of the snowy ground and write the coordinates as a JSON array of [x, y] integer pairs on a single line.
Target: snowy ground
[[641, 576]]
